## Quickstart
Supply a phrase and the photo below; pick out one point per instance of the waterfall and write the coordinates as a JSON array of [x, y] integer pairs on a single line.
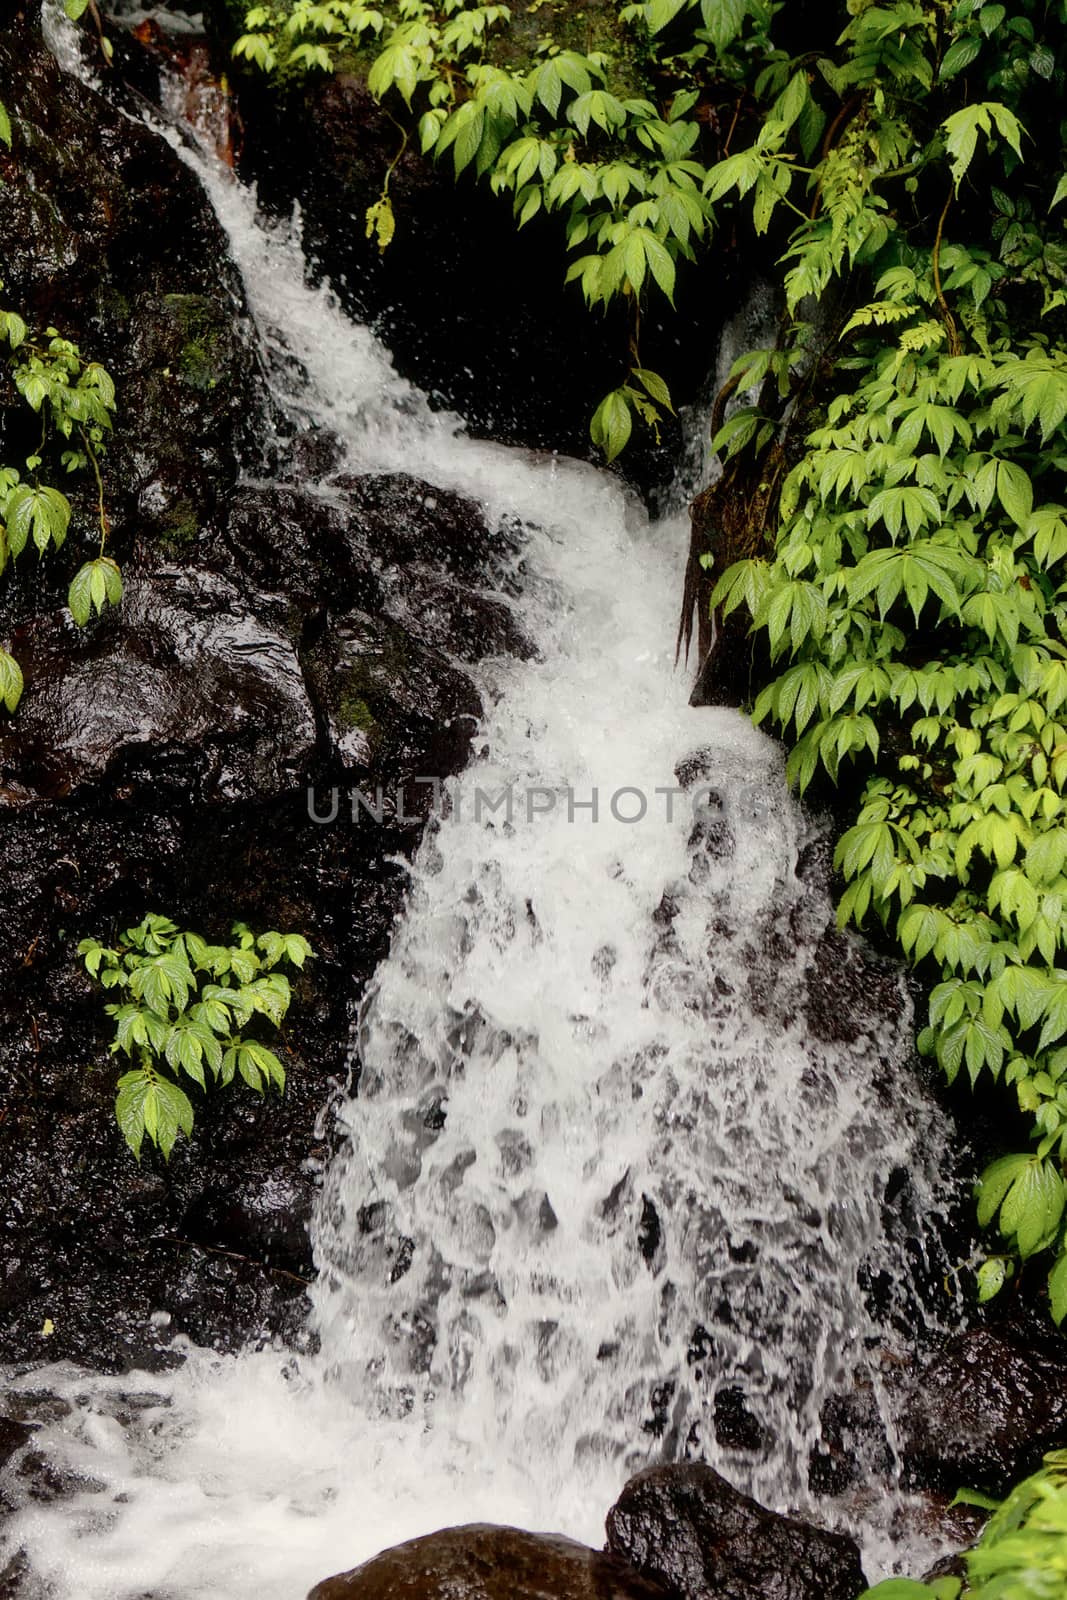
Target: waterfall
[[604, 1180]]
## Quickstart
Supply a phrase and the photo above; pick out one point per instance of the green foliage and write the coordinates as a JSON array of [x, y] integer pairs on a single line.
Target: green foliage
[[1022, 1554], [914, 605], [183, 1012], [74, 401], [560, 135], [638, 179]]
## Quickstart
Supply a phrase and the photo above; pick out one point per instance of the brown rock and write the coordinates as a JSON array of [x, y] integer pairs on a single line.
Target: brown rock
[[686, 1528], [488, 1563], [986, 1409]]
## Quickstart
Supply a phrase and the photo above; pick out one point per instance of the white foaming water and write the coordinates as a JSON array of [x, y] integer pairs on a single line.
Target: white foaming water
[[600, 1170]]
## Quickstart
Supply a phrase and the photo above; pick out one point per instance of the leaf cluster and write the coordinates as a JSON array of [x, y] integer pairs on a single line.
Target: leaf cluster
[[639, 180], [183, 1011], [559, 136]]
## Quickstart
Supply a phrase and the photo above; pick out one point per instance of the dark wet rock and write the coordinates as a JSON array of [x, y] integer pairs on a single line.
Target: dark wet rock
[[986, 1409], [105, 234], [851, 990], [17, 1582], [394, 547], [193, 683], [736, 1426], [853, 1447], [686, 1528], [13, 1435], [393, 708], [489, 1563]]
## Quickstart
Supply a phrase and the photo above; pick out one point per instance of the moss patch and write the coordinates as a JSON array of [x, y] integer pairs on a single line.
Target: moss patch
[[180, 526], [204, 349], [354, 712]]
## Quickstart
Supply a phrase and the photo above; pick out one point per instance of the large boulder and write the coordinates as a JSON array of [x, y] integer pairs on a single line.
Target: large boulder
[[481, 1562], [191, 668], [986, 1408], [686, 1528]]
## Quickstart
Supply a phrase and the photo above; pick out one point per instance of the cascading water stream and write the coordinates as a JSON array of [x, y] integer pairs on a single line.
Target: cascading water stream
[[602, 1171]]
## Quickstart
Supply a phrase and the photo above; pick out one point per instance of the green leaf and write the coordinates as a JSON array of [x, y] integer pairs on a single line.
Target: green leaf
[[1033, 1206], [1015, 492], [963, 127], [42, 512], [11, 684], [1057, 1288], [297, 949], [257, 1060], [465, 126], [658, 13], [5, 124], [655, 386], [96, 584], [724, 20], [958, 57], [994, 1184], [992, 1275], [1045, 858], [612, 424], [975, 1497], [149, 1104], [258, 1066]]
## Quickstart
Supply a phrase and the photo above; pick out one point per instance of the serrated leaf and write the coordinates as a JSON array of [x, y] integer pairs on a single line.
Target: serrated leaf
[[655, 386], [149, 1104], [994, 1184], [958, 57], [95, 585]]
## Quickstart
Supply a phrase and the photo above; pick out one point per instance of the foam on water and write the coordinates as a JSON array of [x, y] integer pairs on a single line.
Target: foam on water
[[601, 1172]]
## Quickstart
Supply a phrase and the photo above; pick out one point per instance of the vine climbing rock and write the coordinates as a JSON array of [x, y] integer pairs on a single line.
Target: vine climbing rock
[[481, 1562], [686, 1528]]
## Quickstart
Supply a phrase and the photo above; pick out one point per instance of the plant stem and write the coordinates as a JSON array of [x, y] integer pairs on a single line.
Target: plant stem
[[935, 262], [105, 526]]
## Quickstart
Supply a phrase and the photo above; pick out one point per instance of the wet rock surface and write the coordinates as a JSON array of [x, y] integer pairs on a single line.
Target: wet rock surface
[[490, 1563], [986, 1408], [282, 631], [106, 235], [686, 1528]]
